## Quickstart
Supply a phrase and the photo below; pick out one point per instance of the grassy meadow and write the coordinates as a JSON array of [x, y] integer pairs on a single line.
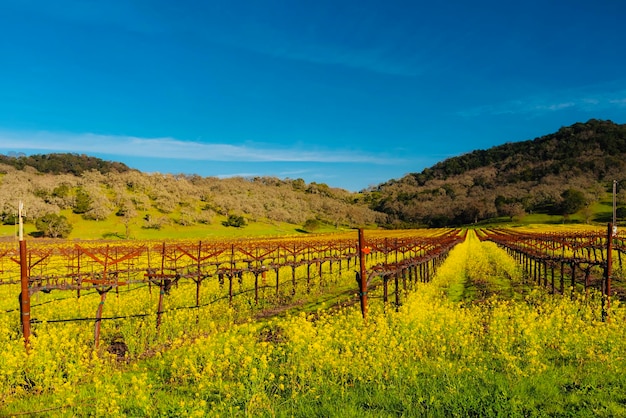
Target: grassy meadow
[[113, 228], [475, 341]]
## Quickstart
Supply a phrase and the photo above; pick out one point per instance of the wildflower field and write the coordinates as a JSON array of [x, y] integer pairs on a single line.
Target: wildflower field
[[478, 339]]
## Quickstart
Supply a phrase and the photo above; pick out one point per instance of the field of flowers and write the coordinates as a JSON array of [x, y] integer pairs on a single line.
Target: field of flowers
[[475, 341]]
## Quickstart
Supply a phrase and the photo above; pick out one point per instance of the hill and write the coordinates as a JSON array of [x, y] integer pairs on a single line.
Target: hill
[[567, 172], [559, 173], [105, 199]]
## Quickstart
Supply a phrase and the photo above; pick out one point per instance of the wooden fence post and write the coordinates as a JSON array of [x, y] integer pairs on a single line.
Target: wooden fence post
[[362, 275], [397, 291], [25, 292], [606, 294], [96, 331], [230, 289]]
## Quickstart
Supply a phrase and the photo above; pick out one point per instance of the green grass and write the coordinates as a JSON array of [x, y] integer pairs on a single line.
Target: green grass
[[601, 213], [114, 228]]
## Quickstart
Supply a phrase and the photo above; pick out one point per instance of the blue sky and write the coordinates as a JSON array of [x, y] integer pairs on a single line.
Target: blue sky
[[347, 93]]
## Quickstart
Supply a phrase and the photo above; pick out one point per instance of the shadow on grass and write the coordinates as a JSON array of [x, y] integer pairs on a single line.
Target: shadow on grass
[[113, 235]]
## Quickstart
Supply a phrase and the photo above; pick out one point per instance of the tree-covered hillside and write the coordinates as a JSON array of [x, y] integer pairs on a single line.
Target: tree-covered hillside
[[562, 173], [63, 163], [577, 163], [98, 190]]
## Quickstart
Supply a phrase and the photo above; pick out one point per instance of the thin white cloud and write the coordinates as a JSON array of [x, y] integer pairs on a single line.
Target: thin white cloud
[[556, 106], [389, 54], [579, 99], [171, 148], [372, 59], [248, 34]]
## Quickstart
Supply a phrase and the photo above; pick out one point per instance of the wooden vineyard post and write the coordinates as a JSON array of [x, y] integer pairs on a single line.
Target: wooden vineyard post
[[264, 280], [199, 276], [96, 332], [232, 274], [25, 293], [362, 275], [573, 279], [606, 288], [526, 267], [320, 265], [103, 296], [160, 304], [385, 290], [161, 290], [587, 280], [78, 272], [230, 289], [293, 270], [308, 271], [403, 279], [397, 292], [198, 284], [278, 270]]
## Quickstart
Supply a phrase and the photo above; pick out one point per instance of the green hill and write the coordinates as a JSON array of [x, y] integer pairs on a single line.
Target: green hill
[[565, 173], [564, 176], [100, 199]]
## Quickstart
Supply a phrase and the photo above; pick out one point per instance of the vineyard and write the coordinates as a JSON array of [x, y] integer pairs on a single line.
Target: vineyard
[[289, 326], [584, 260], [244, 267]]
